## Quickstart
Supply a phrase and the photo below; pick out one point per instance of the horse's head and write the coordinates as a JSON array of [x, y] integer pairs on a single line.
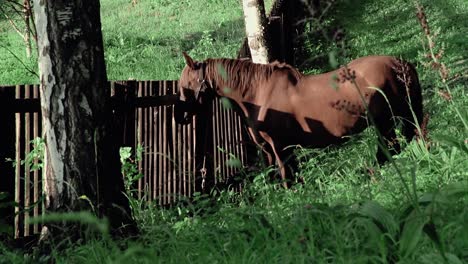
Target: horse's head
[[194, 90]]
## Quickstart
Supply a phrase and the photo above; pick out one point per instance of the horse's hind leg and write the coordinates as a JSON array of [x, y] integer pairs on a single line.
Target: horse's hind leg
[[412, 107], [410, 115], [410, 120]]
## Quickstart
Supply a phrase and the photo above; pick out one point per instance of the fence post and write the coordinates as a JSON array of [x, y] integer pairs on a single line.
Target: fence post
[[204, 175], [124, 111], [123, 104], [7, 150]]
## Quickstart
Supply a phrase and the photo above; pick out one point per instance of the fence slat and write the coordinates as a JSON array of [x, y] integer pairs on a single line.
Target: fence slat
[[217, 138], [156, 143], [140, 140], [36, 182], [165, 152], [18, 217], [160, 148], [27, 174], [174, 151], [150, 144]]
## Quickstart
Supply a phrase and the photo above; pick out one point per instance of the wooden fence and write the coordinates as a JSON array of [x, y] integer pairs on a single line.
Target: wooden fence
[[174, 157]]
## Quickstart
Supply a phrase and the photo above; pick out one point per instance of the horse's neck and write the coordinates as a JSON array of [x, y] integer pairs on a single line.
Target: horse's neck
[[239, 88], [225, 88]]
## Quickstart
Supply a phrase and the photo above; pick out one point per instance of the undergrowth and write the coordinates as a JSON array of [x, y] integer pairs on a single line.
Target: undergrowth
[[349, 210]]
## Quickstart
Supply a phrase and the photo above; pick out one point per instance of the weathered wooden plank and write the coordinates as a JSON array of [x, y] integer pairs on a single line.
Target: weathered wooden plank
[[18, 199], [166, 175], [161, 142], [37, 127], [140, 141], [154, 112], [145, 143], [29, 105], [27, 173]]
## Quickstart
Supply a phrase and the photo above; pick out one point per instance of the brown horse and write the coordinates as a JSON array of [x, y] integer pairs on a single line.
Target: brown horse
[[283, 107]]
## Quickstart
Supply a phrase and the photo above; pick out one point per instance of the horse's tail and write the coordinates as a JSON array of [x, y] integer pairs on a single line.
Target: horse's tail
[[413, 112]]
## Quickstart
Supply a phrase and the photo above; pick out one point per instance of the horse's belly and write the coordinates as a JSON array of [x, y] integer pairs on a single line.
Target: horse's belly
[[345, 125], [288, 131], [293, 129]]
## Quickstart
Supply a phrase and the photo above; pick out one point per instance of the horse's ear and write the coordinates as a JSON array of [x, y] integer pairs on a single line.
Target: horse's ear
[[188, 60]]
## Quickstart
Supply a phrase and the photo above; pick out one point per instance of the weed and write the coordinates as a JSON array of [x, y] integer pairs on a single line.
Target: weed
[[349, 209], [132, 175]]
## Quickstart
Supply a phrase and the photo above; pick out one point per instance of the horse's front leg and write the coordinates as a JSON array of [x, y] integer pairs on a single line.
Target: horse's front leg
[[264, 148], [291, 165], [283, 160]]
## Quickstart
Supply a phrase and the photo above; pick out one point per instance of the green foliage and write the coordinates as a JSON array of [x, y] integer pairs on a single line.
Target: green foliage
[[35, 159], [5, 228], [165, 29], [130, 167], [129, 161], [84, 217], [349, 209]]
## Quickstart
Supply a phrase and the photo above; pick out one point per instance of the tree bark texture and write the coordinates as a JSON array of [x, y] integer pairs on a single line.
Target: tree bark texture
[[7, 150], [81, 155], [255, 23], [284, 30]]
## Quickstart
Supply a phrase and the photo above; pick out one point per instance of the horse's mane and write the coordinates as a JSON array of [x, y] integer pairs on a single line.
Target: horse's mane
[[245, 75]]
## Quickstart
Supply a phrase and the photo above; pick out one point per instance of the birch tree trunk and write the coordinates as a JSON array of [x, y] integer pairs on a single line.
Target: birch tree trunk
[[255, 23], [81, 156]]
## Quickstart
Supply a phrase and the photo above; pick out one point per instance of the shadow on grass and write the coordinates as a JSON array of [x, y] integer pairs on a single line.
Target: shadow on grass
[[349, 30]]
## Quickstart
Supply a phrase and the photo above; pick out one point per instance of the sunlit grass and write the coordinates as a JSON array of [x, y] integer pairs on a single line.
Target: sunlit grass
[[145, 41], [350, 210]]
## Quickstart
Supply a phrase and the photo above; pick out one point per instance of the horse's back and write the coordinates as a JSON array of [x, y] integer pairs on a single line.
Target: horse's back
[[338, 99], [374, 68]]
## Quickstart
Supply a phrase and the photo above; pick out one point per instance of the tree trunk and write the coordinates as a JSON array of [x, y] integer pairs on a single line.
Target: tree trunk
[[7, 171], [255, 23], [27, 29], [81, 157]]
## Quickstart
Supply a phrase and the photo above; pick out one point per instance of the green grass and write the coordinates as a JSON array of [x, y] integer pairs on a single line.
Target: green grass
[[145, 41], [13, 60], [349, 210], [156, 32]]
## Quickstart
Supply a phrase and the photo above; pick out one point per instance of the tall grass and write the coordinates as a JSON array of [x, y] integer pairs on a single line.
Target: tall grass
[[144, 41], [349, 210]]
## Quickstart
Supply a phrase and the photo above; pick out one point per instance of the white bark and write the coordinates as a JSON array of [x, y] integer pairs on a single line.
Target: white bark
[[53, 169], [255, 19]]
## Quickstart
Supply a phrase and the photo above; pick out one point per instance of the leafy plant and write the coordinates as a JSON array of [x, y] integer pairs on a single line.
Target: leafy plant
[[349, 210], [35, 158], [130, 169], [132, 174]]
